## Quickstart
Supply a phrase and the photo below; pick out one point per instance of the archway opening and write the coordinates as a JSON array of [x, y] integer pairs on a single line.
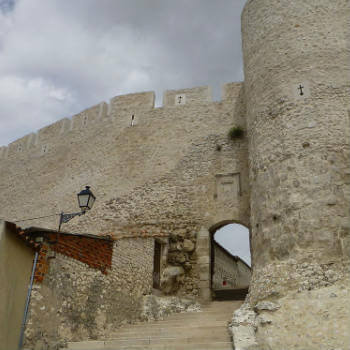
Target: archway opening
[[230, 261]]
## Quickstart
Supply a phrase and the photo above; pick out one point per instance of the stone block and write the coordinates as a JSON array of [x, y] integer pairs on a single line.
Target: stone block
[[205, 295], [231, 91], [204, 276], [188, 245], [202, 252], [132, 102], [204, 284], [195, 95], [266, 306], [203, 243], [203, 260], [203, 233], [204, 268]]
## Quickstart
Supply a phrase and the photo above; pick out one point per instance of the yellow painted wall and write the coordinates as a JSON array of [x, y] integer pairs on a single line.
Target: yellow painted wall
[[16, 262]]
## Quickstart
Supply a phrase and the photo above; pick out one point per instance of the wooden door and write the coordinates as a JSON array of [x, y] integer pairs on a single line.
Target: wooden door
[[156, 265]]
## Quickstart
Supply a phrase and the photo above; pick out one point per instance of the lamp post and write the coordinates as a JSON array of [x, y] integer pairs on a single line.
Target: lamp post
[[86, 200]]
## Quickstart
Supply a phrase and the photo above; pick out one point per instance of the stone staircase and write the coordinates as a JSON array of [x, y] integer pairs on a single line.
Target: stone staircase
[[203, 330]]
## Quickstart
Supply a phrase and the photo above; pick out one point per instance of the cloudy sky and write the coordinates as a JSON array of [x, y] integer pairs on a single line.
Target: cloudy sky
[[59, 57], [235, 238]]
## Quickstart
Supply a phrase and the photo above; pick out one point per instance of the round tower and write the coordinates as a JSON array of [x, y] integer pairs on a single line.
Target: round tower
[[297, 85]]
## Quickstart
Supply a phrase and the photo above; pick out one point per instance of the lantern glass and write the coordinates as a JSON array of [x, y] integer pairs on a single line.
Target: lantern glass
[[83, 200], [91, 201], [86, 199]]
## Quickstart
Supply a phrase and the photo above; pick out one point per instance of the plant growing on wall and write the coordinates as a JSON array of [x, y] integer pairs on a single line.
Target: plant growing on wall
[[236, 132]]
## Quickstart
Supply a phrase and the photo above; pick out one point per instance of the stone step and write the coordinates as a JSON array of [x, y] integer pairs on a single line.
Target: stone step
[[166, 331], [222, 334], [174, 330], [198, 315], [110, 345], [228, 312], [176, 346], [216, 302], [203, 330], [180, 323], [196, 338], [215, 318], [227, 309], [218, 309], [166, 340], [208, 313]]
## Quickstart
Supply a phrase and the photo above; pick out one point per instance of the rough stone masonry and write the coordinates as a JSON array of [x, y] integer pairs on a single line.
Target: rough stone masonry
[[173, 169]]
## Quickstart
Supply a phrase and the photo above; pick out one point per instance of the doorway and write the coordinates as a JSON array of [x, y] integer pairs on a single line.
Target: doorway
[[230, 262], [156, 264]]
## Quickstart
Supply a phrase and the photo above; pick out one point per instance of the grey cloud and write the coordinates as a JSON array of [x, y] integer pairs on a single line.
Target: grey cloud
[[86, 51], [6, 5], [235, 238]]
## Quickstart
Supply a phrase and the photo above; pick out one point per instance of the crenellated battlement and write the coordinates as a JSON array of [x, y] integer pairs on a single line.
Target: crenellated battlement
[[119, 145], [123, 111]]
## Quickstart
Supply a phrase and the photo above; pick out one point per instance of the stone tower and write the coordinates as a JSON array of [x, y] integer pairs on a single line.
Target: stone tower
[[297, 85]]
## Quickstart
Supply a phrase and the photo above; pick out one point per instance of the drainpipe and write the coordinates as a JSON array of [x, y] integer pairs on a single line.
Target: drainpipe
[[27, 302]]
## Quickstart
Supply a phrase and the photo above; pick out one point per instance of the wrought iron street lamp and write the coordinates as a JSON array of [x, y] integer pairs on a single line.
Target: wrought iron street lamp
[[86, 200]]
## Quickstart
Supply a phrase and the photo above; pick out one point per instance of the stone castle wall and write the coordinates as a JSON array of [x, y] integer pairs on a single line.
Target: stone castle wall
[[170, 170], [75, 301], [175, 161]]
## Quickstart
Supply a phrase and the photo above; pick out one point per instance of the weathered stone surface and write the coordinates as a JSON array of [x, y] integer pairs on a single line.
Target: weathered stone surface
[[188, 245], [156, 308], [76, 302], [263, 320], [243, 328], [171, 279], [266, 306], [180, 258], [173, 271], [310, 319], [40, 345]]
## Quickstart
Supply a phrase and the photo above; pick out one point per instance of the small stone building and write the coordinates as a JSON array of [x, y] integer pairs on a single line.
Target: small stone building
[[85, 286]]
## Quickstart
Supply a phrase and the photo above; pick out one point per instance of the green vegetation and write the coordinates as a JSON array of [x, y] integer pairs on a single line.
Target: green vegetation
[[236, 132]]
